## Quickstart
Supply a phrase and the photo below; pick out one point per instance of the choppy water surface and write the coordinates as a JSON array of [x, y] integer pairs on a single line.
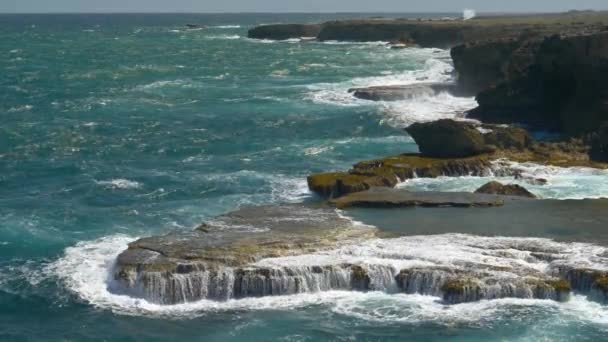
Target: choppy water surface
[[116, 127]]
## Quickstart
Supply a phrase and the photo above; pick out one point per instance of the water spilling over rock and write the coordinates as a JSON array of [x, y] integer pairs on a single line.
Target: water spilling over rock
[[285, 250]]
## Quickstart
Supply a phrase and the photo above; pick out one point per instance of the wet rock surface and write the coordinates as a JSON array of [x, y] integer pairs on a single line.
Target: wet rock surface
[[396, 198]]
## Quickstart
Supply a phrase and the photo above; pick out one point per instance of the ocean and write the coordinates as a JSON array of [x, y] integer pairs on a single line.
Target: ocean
[[115, 127]]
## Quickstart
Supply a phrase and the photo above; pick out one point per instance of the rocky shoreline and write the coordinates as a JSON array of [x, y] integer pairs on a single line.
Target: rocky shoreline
[[536, 72]]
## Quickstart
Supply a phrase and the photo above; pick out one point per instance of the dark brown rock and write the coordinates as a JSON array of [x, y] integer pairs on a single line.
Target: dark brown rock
[[448, 139], [496, 188]]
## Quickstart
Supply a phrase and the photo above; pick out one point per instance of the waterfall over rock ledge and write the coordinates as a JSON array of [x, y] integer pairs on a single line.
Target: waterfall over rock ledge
[[292, 249]]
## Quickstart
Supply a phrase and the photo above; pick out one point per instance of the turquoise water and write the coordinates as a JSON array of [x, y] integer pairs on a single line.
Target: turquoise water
[[121, 126]]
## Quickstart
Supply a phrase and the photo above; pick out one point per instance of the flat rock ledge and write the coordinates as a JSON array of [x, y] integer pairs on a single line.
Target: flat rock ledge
[[153, 268], [398, 198], [292, 249]]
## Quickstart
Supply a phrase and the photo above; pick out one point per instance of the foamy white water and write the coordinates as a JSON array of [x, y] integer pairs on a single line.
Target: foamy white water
[[120, 183], [86, 270], [436, 69], [562, 183]]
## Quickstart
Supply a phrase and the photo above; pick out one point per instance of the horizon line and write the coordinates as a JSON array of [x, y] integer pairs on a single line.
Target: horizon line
[[305, 12]]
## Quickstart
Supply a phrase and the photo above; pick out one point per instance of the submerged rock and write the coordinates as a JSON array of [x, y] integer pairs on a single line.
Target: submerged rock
[[390, 198], [497, 188], [401, 92]]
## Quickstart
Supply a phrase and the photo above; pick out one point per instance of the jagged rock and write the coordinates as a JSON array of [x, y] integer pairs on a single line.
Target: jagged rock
[[497, 188], [284, 31], [391, 198], [448, 139], [401, 92]]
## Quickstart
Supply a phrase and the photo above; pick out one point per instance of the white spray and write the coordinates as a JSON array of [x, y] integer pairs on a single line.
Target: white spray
[[468, 14]]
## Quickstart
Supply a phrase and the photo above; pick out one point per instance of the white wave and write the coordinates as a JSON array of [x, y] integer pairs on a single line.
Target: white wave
[[280, 73], [426, 108], [508, 255], [289, 189], [262, 41], [562, 182], [178, 83], [86, 270], [120, 184], [20, 109], [401, 113], [468, 14], [224, 36], [336, 42], [227, 26]]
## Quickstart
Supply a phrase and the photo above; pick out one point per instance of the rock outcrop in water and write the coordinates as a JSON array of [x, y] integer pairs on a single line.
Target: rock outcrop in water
[[389, 171], [448, 139], [496, 188], [451, 139], [402, 92]]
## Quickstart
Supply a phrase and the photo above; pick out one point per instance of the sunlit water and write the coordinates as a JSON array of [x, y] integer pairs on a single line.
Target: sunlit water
[[117, 127]]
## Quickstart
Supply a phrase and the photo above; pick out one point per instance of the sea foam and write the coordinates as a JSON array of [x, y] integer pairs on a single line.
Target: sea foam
[[86, 270]]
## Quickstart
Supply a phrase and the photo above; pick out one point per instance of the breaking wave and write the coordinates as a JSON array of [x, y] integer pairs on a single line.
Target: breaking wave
[[401, 113]]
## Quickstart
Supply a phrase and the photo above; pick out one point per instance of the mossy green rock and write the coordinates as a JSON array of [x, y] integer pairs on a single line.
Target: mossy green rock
[[388, 171]]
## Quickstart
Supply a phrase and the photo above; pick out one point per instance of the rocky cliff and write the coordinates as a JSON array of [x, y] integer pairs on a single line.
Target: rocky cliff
[[552, 83]]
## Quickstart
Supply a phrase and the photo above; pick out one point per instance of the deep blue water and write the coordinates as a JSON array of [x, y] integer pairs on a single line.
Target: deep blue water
[[120, 126]]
